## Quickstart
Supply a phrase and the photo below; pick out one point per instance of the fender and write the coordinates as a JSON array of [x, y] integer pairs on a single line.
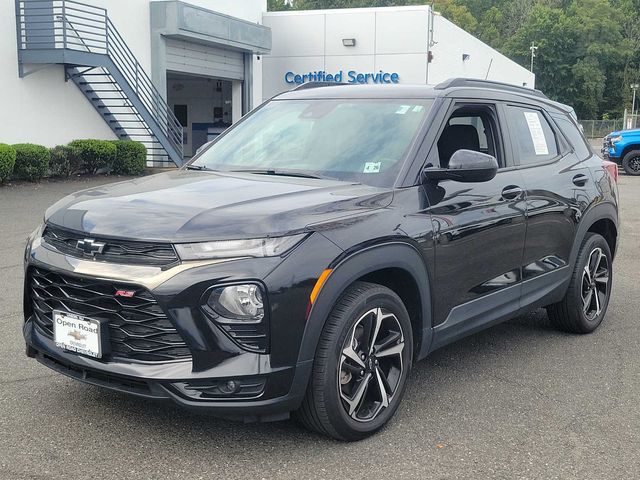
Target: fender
[[396, 254], [598, 212]]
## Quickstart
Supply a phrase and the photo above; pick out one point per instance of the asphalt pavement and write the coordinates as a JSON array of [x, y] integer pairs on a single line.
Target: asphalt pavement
[[518, 401]]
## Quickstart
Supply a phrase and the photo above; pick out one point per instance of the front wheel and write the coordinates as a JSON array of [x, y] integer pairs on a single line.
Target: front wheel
[[584, 306], [361, 365], [631, 162]]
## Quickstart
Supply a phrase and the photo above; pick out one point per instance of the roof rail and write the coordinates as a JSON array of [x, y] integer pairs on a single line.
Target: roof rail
[[307, 85], [476, 82]]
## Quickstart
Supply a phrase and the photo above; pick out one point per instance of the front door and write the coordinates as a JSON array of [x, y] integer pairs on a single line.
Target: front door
[[479, 229]]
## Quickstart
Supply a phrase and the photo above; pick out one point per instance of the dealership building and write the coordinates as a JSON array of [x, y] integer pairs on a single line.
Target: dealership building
[[174, 74]]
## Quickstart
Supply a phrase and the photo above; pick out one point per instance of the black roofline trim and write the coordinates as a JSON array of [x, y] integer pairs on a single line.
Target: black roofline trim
[[308, 85], [475, 82]]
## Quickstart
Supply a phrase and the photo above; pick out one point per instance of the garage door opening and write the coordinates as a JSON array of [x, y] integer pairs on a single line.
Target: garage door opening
[[203, 105]]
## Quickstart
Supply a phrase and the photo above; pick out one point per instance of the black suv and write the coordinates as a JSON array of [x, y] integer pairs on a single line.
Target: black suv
[[318, 248]]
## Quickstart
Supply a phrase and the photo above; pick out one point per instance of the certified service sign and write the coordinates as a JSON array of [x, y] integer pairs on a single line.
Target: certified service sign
[[352, 76]]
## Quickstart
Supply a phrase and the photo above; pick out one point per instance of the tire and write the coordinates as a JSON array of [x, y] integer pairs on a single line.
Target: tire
[[579, 311], [332, 405], [631, 163]]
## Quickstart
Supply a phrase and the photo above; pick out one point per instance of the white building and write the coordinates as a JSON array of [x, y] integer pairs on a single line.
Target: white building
[[175, 73], [392, 45]]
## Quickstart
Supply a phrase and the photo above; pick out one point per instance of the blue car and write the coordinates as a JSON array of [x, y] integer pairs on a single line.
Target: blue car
[[623, 147]]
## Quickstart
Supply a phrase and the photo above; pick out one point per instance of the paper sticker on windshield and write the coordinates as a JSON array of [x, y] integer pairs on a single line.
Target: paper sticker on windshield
[[372, 167], [537, 134], [402, 109]]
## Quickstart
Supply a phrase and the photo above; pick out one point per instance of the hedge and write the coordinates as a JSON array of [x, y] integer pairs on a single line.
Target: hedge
[[7, 161], [32, 161], [130, 159], [64, 161], [27, 161], [94, 154]]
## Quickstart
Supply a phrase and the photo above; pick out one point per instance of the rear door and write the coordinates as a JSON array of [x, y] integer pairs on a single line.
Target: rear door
[[557, 184]]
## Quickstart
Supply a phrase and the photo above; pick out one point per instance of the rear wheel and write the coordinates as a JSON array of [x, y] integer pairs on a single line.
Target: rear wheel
[[585, 304], [361, 366], [631, 162]]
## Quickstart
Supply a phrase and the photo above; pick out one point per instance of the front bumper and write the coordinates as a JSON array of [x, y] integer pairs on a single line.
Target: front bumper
[[281, 390], [610, 152], [267, 385]]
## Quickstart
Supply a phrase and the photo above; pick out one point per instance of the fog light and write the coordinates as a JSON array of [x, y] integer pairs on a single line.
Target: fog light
[[237, 303], [229, 387]]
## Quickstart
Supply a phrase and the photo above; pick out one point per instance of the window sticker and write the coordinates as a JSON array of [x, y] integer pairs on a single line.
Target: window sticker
[[403, 109], [418, 108], [536, 132], [372, 167]]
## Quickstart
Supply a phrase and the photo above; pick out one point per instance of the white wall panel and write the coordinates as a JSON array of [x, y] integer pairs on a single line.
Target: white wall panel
[[402, 31], [303, 37], [360, 26]]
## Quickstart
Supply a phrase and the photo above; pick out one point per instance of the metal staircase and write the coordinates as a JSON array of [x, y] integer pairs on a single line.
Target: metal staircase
[[97, 59]]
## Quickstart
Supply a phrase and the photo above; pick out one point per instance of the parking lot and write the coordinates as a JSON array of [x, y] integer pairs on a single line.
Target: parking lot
[[520, 400]]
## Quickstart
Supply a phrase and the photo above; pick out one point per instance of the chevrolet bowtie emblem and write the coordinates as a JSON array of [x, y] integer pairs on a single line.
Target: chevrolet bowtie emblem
[[77, 335], [90, 247]]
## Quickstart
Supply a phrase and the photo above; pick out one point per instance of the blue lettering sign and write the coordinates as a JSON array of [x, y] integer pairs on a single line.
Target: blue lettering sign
[[353, 76]]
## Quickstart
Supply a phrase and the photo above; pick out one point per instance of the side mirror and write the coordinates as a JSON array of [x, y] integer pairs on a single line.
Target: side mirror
[[465, 166]]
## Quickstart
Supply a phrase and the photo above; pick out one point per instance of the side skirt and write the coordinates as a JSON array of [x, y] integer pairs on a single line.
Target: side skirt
[[497, 307]]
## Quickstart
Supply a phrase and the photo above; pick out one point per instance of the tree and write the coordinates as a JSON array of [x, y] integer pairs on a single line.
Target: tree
[[556, 36], [278, 5]]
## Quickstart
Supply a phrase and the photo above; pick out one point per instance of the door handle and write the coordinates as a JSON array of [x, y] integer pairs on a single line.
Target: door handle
[[580, 180], [511, 192]]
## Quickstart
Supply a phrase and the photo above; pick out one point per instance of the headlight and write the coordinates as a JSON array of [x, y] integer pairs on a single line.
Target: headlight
[[615, 139], [27, 248], [256, 247], [237, 303]]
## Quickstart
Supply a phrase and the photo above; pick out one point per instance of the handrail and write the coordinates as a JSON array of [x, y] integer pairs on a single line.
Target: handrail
[[67, 24]]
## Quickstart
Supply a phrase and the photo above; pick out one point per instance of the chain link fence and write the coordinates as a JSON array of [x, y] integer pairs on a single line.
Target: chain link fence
[[599, 128]]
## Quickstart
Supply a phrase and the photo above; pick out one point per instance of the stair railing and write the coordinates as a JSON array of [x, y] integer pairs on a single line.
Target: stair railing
[[67, 24]]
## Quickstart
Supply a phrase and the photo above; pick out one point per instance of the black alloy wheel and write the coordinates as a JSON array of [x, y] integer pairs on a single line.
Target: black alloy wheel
[[371, 365], [585, 304], [595, 284], [631, 163], [362, 362]]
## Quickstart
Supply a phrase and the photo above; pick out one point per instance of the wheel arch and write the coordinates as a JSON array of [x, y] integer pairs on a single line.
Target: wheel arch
[[629, 148], [601, 219], [396, 265]]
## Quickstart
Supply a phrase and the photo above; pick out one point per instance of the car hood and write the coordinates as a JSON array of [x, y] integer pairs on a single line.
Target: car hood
[[634, 131], [190, 206]]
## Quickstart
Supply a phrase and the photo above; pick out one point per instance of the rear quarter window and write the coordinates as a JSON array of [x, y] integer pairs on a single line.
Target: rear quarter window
[[575, 138]]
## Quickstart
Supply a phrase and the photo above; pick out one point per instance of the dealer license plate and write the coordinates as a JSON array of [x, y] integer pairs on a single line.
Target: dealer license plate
[[77, 333]]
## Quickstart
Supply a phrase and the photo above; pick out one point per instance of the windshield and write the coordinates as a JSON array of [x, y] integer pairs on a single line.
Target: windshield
[[352, 140]]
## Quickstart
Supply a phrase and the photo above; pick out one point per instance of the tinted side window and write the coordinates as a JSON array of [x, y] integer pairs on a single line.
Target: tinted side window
[[532, 136], [471, 127], [574, 136]]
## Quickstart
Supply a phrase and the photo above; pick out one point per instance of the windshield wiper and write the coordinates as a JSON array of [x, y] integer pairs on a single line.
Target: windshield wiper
[[280, 173], [197, 167]]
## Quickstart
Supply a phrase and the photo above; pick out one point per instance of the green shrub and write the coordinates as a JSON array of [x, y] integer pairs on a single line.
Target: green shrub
[[7, 161], [131, 157], [32, 161], [94, 154], [60, 161]]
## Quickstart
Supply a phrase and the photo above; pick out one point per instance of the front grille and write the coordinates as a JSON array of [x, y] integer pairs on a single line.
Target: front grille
[[138, 328], [115, 250]]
